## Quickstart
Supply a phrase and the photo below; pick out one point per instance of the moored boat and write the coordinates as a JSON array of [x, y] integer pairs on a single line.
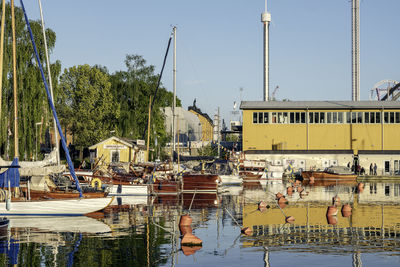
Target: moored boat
[[200, 182], [331, 173]]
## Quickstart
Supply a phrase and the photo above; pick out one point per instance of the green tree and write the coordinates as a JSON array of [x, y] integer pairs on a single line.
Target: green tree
[[132, 89], [86, 105], [31, 96]]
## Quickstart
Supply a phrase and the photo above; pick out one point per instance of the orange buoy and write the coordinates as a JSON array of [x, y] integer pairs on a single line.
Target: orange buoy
[[282, 200], [190, 250], [297, 182], [332, 210], [262, 206], [289, 190], [346, 210], [185, 229], [331, 220], [300, 189], [247, 231], [282, 205], [185, 220], [336, 200], [312, 179], [289, 219], [190, 239], [279, 195], [360, 187]]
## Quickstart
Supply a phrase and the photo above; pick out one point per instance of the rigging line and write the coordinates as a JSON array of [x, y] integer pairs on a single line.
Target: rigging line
[[159, 81], [64, 144]]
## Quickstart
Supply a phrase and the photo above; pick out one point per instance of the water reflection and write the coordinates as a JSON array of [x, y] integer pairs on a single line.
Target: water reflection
[[137, 231]]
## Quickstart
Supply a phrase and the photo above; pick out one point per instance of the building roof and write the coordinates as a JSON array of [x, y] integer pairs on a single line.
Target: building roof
[[198, 111], [120, 140], [319, 105]]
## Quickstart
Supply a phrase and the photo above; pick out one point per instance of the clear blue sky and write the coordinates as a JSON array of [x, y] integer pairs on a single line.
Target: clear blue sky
[[220, 44]]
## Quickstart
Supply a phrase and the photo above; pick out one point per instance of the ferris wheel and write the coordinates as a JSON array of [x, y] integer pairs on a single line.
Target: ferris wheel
[[385, 90]]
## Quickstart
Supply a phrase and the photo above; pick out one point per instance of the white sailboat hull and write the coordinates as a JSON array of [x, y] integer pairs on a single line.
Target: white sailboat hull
[[230, 179], [69, 207], [132, 190]]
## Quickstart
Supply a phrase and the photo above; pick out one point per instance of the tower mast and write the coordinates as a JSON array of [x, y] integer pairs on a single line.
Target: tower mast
[[266, 19], [355, 37]]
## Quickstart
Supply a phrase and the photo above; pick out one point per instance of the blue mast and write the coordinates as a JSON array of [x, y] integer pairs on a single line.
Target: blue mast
[[64, 144]]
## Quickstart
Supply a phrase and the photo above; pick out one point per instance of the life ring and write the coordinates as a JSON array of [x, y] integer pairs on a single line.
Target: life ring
[[96, 183]]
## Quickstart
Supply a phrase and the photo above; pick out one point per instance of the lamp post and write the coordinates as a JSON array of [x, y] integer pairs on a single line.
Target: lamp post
[[36, 125]]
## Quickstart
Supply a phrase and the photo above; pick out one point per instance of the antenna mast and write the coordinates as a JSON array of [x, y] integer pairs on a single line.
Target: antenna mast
[[266, 19]]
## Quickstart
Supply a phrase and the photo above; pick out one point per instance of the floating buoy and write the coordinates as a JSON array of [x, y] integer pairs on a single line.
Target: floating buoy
[[289, 219], [246, 231], [185, 220], [190, 250], [360, 187], [282, 205], [289, 190], [279, 195], [300, 189], [297, 182], [282, 200], [331, 220], [262, 206], [190, 239], [185, 229], [312, 179], [332, 210], [336, 200], [346, 210]]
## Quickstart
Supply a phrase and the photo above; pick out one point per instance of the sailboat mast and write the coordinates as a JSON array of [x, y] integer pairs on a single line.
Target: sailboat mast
[[16, 154], [3, 19], [50, 83], [174, 100]]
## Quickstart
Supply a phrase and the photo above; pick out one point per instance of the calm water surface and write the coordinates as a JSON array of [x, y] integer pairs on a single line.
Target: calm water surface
[[141, 231]]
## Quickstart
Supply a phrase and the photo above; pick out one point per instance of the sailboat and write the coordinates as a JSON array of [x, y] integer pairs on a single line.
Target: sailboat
[[14, 205]]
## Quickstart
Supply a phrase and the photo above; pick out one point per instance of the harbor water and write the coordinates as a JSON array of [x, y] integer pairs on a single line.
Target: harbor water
[[145, 231]]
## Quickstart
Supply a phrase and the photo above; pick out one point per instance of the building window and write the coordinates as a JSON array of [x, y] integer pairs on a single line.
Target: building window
[[266, 116], [397, 117], [115, 156], [334, 117], [340, 117], [260, 117], [354, 117], [322, 117], [285, 117], [378, 117], [291, 117], [316, 117], [303, 117], [386, 117], [391, 117], [255, 115], [366, 117], [273, 120], [311, 117], [329, 117], [372, 117]]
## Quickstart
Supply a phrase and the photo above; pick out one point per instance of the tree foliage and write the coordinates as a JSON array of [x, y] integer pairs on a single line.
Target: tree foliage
[[32, 103], [132, 89], [86, 105]]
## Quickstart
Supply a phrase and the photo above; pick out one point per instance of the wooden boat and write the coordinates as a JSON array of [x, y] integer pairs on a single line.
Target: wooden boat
[[332, 173], [230, 179], [68, 207], [200, 182], [60, 194], [166, 187]]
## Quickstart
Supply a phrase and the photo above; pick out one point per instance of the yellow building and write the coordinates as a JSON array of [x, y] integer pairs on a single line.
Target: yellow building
[[114, 149], [206, 122], [323, 127]]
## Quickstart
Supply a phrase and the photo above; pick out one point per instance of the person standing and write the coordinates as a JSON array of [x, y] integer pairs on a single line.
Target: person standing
[[371, 169], [375, 168]]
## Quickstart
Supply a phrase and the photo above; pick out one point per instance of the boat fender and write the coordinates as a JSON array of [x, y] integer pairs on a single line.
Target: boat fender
[[119, 189], [8, 203], [96, 183]]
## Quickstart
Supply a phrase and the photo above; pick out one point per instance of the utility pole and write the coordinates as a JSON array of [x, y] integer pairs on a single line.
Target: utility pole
[[174, 100], [219, 135], [266, 19], [355, 37]]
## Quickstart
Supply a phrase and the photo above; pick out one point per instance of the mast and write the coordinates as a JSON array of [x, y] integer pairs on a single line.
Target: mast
[[355, 37], [174, 100], [3, 19], [50, 83], [16, 154], [266, 19]]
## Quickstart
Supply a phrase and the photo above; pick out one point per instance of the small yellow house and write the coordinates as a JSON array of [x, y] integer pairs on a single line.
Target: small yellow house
[[114, 149]]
